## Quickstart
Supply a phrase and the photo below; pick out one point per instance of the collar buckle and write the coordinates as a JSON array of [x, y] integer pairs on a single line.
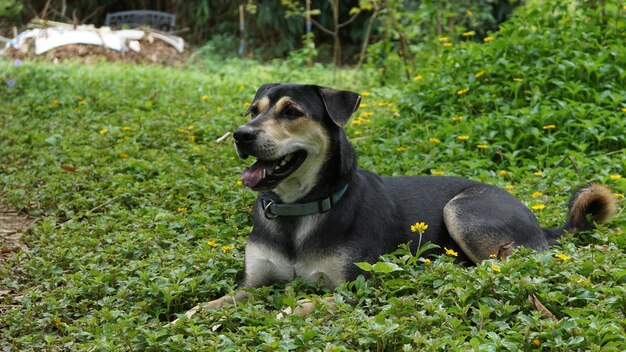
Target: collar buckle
[[267, 211]]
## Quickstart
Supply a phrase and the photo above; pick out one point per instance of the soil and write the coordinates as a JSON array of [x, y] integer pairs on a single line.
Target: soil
[[13, 225]]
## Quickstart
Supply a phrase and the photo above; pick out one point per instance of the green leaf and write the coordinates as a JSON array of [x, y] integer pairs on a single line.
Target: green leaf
[[385, 267], [365, 266], [54, 139]]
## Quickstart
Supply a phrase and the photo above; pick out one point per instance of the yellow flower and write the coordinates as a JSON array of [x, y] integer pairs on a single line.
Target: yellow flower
[[549, 127], [495, 268], [509, 187], [437, 173], [227, 248], [537, 194], [443, 39], [623, 109], [123, 155], [419, 227], [468, 34], [190, 127], [492, 256], [618, 195], [219, 109], [615, 177], [367, 114], [538, 173], [246, 104], [562, 256], [426, 261], [205, 97], [192, 138], [57, 321], [212, 243], [358, 133], [457, 118], [361, 106], [488, 39], [104, 131], [365, 94], [241, 88], [482, 146], [434, 140], [536, 342], [462, 138], [468, 12], [418, 78], [359, 120], [462, 91], [182, 130], [401, 149], [518, 80], [538, 207], [451, 252], [447, 45], [54, 103], [203, 168], [502, 173], [126, 128], [181, 210], [479, 74], [239, 183]]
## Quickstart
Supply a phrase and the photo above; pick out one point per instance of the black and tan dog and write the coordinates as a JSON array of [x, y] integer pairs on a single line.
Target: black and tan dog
[[317, 214]]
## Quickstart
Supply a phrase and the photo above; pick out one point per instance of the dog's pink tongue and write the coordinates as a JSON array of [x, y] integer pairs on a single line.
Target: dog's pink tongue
[[254, 174]]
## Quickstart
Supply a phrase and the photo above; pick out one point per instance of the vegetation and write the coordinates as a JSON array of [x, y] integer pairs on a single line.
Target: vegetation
[[275, 28], [142, 214]]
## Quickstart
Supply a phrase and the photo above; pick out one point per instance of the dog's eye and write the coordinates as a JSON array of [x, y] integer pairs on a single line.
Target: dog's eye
[[292, 113], [254, 111]]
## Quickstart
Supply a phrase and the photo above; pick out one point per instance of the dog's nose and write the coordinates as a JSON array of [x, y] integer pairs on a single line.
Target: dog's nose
[[245, 134]]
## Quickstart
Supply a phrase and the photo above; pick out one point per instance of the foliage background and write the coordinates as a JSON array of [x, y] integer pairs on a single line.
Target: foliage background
[[142, 216], [272, 31]]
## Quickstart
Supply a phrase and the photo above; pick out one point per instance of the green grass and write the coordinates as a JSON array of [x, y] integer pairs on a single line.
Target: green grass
[[137, 222]]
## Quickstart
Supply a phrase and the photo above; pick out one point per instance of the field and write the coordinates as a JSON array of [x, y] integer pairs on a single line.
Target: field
[[142, 214]]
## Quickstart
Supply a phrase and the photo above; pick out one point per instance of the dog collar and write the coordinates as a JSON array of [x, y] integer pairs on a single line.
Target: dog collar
[[272, 209]]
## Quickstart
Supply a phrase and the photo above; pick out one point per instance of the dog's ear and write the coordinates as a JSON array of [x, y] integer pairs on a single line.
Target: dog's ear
[[340, 104], [260, 93]]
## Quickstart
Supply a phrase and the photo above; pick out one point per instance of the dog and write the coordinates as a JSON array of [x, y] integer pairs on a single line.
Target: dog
[[317, 213]]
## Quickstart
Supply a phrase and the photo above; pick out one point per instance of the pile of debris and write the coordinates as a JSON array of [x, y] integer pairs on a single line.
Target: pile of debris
[[89, 44]]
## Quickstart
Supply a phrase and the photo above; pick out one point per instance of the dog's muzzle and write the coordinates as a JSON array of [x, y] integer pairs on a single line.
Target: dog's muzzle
[[244, 136], [268, 171]]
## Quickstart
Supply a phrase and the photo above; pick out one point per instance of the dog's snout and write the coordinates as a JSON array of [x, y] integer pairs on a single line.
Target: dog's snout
[[245, 134]]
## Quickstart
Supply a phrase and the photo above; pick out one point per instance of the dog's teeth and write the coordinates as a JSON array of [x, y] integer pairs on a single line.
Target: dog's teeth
[[284, 162], [263, 176], [287, 158]]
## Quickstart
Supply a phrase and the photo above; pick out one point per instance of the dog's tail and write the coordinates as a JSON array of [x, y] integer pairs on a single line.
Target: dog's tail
[[588, 205]]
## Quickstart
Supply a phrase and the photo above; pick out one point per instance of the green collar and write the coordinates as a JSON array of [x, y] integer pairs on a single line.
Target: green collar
[[273, 209]]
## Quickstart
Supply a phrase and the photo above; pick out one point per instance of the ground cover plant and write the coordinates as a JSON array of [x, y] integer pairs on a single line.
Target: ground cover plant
[[143, 215]]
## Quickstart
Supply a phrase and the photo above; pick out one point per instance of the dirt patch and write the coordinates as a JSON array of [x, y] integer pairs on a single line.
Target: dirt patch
[[12, 228], [13, 225]]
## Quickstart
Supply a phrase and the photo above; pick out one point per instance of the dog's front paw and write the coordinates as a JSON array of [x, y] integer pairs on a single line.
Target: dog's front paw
[[188, 314], [215, 304], [304, 308]]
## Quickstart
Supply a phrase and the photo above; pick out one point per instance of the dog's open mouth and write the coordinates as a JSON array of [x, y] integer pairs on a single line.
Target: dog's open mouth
[[268, 173]]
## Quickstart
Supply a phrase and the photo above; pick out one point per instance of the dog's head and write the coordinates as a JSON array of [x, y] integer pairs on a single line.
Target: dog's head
[[290, 133]]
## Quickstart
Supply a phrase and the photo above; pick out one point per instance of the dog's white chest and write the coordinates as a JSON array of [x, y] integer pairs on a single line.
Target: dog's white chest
[[266, 265]]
